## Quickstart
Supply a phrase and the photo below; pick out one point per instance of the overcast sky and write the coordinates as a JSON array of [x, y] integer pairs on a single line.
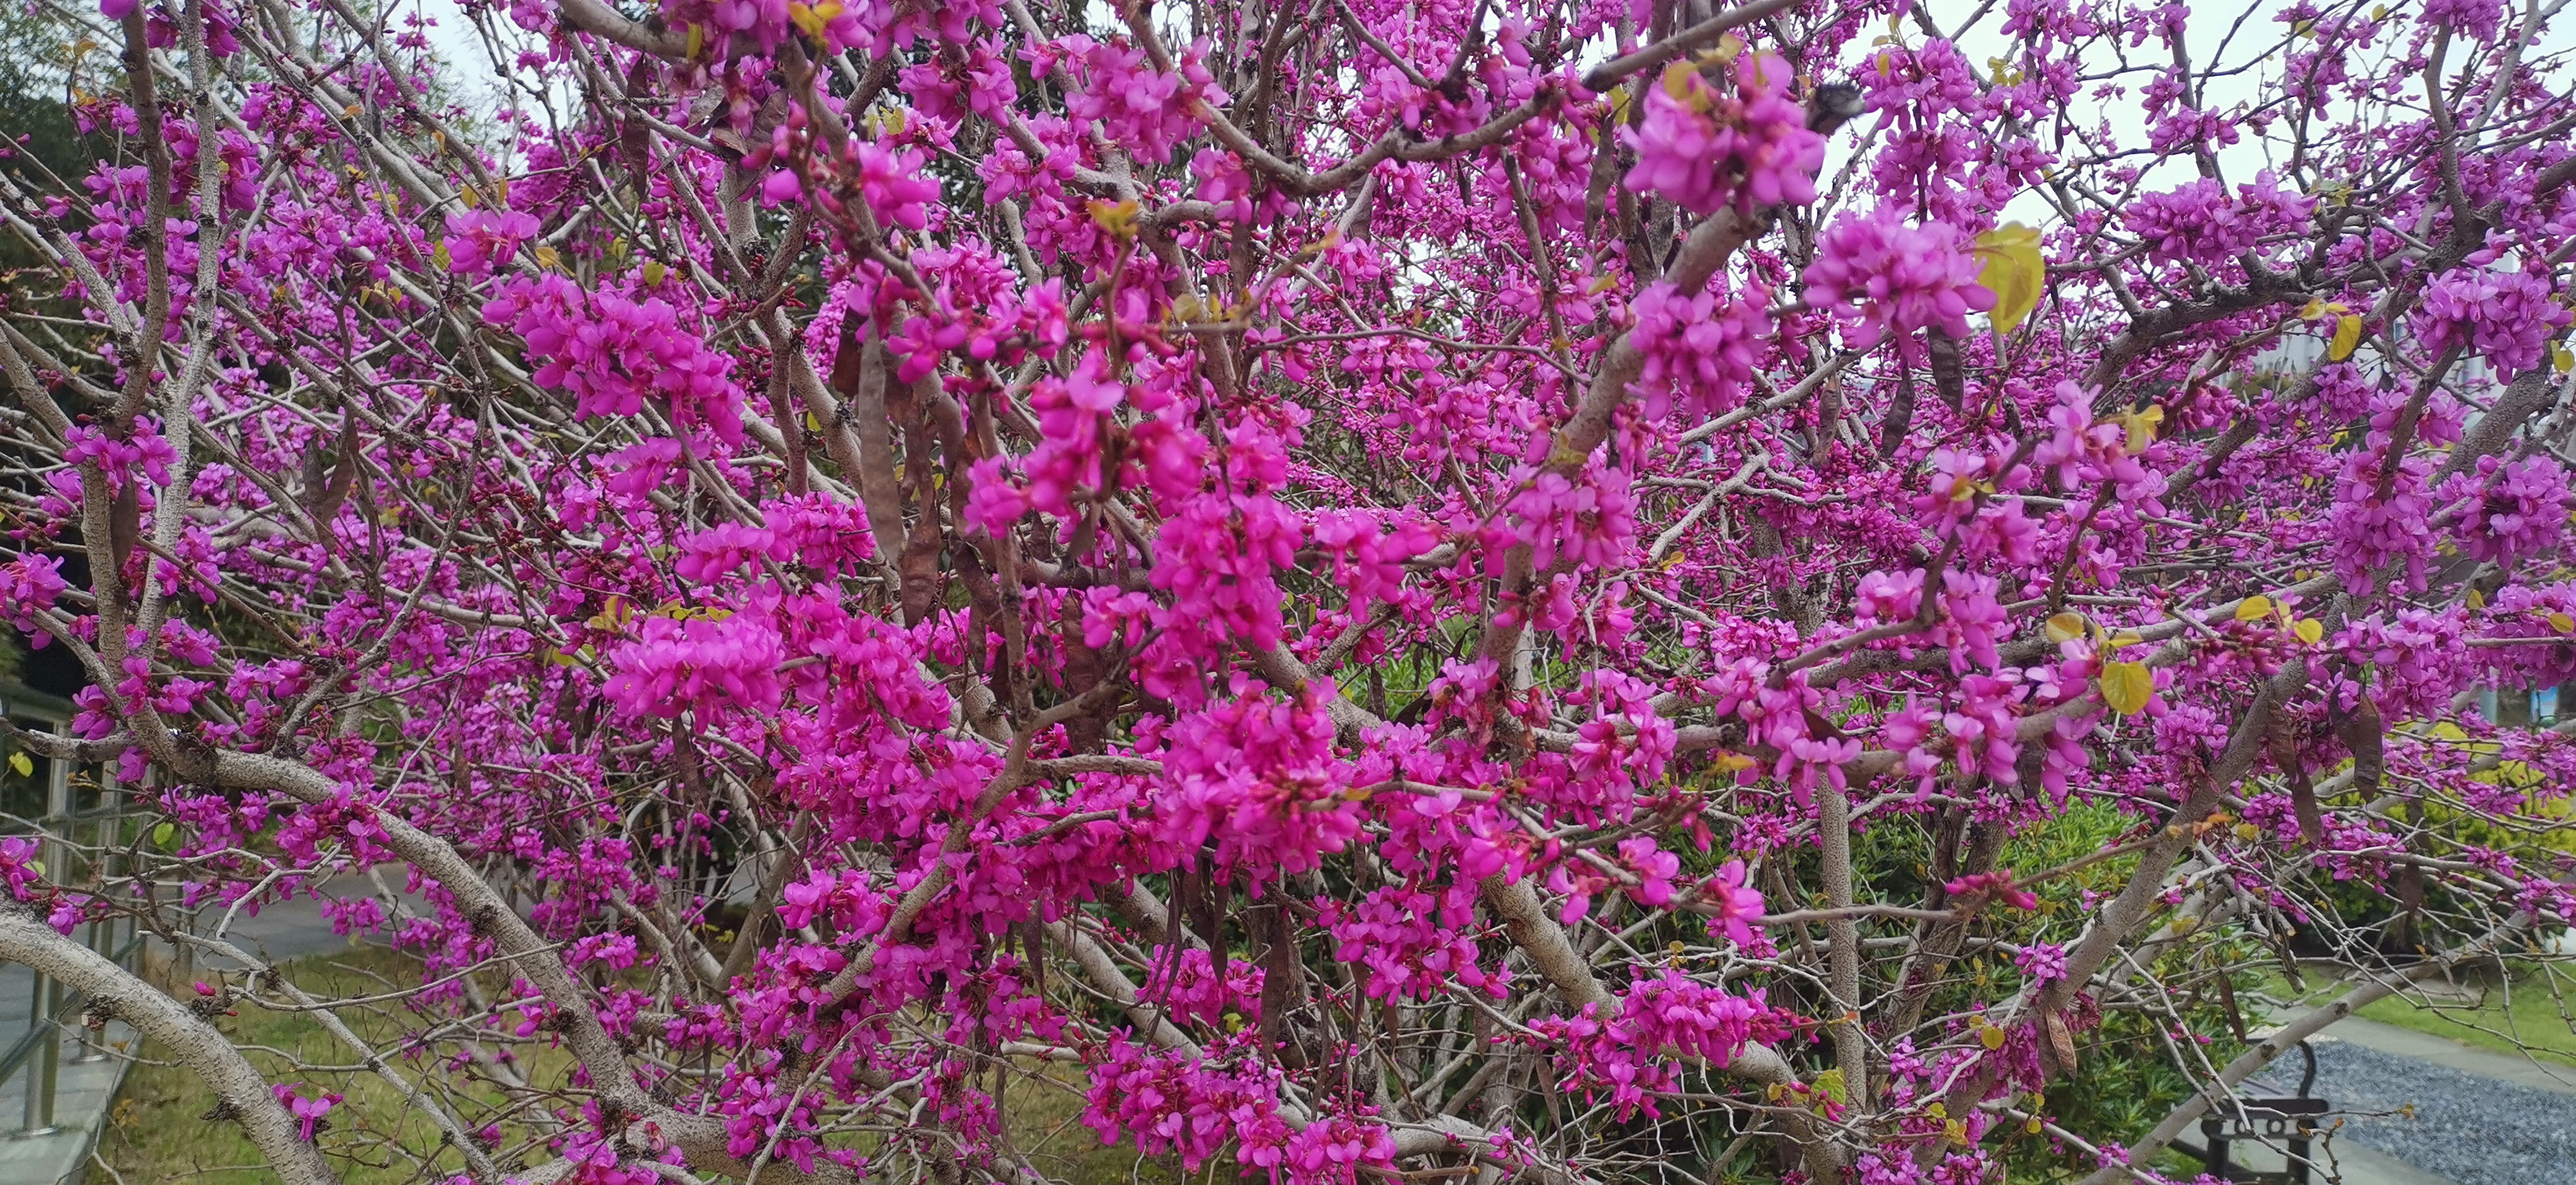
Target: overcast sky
[[2254, 32]]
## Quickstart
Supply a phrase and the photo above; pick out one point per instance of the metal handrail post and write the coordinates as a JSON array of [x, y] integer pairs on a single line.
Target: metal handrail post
[[49, 1069], [42, 1069]]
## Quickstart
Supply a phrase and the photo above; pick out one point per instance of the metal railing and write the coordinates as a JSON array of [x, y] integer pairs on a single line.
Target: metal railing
[[38, 1053]]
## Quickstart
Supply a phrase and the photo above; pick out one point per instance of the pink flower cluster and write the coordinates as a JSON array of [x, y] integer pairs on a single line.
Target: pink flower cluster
[[812, 531], [2476, 19], [144, 449], [611, 351], [1148, 111], [2198, 222], [1700, 350], [308, 1112], [2371, 534], [30, 584], [17, 854], [2510, 510], [1668, 1016], [2507, 316], [1704, 147], [1257, 774], [1195, 1108], [955, 83], [711, 667], [480, 242], [1411, 942], [1737, 906], [1589, 518], [1881, 275]]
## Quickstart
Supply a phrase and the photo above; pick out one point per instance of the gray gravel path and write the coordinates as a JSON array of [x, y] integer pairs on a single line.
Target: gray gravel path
[[2473, 1129]]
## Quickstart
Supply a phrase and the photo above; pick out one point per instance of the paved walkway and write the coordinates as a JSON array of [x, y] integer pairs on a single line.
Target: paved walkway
[[2424, 1110], [85, 1084]]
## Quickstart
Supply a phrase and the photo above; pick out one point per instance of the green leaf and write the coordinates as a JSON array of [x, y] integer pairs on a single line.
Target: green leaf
[[20, 763], [165, 837]]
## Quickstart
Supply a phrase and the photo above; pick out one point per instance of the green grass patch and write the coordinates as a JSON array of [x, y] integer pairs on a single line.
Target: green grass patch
[[158, 1130], [2526, 1008], [2531, 1013]]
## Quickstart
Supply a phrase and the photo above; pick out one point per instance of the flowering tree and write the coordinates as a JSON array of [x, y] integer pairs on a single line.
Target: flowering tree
[[1380, 589]]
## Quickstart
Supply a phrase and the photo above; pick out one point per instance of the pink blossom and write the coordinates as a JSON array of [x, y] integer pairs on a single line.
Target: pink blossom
[[1737, 907], [1704, 146], [1880, 275]]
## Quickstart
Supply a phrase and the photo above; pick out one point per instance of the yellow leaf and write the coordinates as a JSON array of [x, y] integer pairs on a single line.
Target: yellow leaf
[[2347, 338], [2562, 623], [813, 18], [2065, 627], [2562, 358], [614, 615], [2122, 640], [2248, 832], [2475, 599], [19, 762], [2253, 608], [2310, 630], [549, 258], [1991, 1037], [2032, 1125], [469, 197], [653, 273], [1118, 218], [2141, 427], [697, 39], [438, 255], [2014, 272], [2127, 686], [1677, 80]]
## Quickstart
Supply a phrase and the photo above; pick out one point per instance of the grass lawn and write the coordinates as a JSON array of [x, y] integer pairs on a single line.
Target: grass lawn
[[2536, 1018], [2529, 1009], [158, 1130]]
